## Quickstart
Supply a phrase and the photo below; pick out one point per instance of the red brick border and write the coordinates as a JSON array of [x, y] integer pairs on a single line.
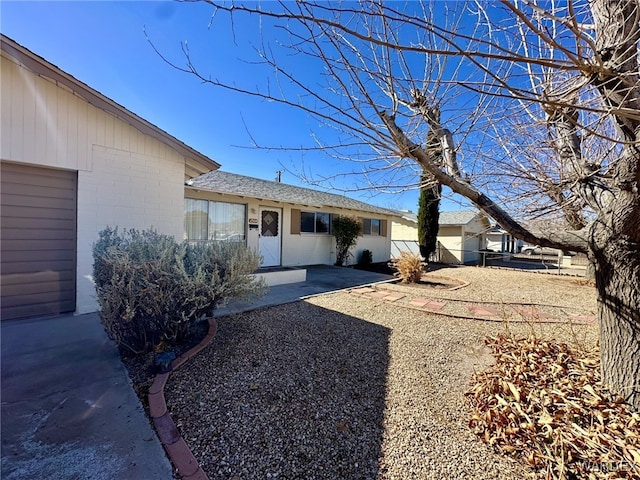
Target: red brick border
[[489, 314], [169, 435]]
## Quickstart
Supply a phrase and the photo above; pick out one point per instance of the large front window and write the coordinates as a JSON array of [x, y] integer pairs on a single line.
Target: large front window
[[206, 220]]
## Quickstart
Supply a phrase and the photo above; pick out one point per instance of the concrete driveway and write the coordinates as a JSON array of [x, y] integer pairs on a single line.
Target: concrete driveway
[[68, 408]]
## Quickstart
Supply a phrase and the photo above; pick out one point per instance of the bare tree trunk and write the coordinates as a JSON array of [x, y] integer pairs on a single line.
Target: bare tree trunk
[[615, 235], [618, 284]]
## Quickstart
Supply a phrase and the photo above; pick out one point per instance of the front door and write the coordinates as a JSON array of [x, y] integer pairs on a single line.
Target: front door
[[270, 236]]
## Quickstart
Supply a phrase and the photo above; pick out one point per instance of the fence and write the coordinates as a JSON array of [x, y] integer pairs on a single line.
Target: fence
[[398, 246], [441, 255], [580, 259], [486, 258]]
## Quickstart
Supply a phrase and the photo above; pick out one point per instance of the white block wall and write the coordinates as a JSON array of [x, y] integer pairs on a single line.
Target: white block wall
[[125, 178]]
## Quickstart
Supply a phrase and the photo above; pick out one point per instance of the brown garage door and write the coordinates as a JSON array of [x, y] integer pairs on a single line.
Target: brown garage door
[[38, 241]]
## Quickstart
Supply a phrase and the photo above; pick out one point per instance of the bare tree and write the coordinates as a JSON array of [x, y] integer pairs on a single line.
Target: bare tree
[[536, 109]]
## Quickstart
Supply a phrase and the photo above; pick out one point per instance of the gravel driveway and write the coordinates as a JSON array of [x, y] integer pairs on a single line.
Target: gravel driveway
[[340, 386]]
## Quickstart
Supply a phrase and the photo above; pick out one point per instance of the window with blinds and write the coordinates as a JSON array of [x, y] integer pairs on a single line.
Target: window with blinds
[[206, 220]]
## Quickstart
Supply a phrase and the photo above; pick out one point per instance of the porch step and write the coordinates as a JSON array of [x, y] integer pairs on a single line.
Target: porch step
[[281, 275]]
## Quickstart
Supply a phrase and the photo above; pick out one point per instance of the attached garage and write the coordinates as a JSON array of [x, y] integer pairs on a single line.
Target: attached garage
[[38, 241], [72, 163]]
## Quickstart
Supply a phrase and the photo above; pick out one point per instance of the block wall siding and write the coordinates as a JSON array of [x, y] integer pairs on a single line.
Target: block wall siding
[[404, 230], [450, 239], [125, 178]]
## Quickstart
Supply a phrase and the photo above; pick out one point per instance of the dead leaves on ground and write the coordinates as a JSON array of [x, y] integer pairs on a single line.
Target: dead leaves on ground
[[543, 403]]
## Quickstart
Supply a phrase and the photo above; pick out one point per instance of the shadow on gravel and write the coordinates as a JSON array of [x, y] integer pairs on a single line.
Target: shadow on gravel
[[295, 391]]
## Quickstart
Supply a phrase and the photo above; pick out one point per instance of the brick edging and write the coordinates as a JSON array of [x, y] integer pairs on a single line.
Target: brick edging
[[177, 449], [495, 319]]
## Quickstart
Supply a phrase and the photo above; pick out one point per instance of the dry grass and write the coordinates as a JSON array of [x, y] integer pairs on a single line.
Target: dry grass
[[409, 266]]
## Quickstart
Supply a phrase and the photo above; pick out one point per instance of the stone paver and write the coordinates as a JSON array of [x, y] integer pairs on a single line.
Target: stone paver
[[480, 311], [533, 312], [584, 318], [379, 295], [363, 290], [484, 310], [393, 297], [432, 305], [419, 302]]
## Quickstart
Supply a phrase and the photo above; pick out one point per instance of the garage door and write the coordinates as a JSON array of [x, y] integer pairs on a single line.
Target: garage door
[[37, 241], [471, 247]]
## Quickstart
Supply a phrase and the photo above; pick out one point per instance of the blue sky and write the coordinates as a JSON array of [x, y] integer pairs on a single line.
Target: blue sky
[[103, 44]]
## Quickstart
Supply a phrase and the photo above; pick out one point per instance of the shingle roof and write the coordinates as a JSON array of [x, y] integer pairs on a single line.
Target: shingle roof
[[234, 184], [462, 217], [407, 215]]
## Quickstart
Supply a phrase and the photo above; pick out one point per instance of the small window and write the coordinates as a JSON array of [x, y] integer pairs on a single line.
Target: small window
[[322, 222], [371, 226], [315, 222], [307, 222]]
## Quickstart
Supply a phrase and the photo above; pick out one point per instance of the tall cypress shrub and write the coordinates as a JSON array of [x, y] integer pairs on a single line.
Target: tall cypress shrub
[[428, 216]]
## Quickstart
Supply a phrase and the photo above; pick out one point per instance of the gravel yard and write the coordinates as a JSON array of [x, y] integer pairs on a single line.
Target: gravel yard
[[341, 386]]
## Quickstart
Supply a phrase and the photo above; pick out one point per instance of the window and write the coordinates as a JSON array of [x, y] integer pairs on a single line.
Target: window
[[371, 226], [214, 221], [315, 222]]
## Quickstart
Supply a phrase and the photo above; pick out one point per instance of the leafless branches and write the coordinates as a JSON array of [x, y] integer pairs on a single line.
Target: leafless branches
[[535, 105]]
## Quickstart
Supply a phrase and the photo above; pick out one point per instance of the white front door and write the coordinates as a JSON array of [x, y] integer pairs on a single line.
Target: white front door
[[270, 236]]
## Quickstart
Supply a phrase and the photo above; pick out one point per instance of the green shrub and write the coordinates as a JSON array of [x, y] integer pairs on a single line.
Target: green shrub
[[366, 258], [152, 290], [345, 230]]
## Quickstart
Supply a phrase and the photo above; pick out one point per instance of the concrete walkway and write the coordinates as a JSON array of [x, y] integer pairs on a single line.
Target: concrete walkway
[[320, 279], [68, 408]]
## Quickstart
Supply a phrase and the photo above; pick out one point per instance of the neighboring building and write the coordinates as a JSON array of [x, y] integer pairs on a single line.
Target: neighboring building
[[461, 235], [288, 225], [404, 233], [74, 162], [499, 240]]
